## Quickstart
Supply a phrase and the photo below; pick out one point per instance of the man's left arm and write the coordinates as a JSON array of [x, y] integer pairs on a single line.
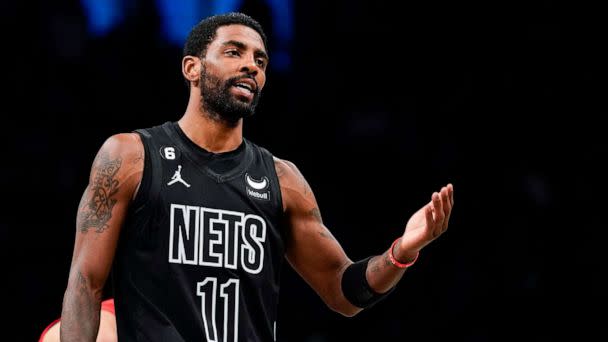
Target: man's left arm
[[320, 260]]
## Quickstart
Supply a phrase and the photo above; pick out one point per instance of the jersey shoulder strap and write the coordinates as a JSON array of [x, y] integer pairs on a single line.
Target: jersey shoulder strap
[[150, 185]]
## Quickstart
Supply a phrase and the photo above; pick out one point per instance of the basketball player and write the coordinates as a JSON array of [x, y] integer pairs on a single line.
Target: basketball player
[[196, 221]]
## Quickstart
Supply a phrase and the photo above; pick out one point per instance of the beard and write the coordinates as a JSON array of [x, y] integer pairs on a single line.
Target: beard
[[220, 103]]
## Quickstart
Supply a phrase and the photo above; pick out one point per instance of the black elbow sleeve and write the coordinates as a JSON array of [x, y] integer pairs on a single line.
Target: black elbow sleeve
[[356, 288]]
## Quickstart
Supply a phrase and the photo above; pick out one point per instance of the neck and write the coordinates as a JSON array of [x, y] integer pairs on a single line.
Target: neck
[[212, 135]]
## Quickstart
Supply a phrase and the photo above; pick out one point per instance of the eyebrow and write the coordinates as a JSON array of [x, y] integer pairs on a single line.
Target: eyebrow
[[243, 46]]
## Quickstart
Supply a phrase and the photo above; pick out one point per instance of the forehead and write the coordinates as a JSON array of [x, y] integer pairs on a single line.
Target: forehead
[[238, 33]]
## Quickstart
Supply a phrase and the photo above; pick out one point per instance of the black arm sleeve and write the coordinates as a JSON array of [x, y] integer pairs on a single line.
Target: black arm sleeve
[[356, 288]]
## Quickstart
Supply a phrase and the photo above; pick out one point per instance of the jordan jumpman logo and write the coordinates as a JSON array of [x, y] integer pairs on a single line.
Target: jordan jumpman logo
[[177, 177]]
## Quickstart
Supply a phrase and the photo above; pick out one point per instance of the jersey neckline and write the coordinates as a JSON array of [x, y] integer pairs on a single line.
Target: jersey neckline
[[199, 156]]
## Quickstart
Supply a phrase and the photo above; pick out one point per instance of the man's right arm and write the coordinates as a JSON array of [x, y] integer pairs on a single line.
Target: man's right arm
[[114, 179]]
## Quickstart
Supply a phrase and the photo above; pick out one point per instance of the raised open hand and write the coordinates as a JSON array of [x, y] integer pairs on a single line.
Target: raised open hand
[[428, 223]]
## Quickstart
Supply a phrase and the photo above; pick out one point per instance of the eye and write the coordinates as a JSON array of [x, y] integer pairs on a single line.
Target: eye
[[233, 53], [261, 62]]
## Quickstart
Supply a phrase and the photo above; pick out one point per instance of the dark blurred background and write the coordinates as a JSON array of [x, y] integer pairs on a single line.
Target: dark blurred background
[[379, 103]]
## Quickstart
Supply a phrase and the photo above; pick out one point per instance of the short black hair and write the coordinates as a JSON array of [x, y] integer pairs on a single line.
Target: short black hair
[[204, 32]]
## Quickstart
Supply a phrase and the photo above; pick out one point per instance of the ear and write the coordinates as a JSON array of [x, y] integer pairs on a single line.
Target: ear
[[191, 68]]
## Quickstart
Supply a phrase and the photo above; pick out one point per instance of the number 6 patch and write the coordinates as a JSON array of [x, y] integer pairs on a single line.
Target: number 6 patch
[[169, 153]]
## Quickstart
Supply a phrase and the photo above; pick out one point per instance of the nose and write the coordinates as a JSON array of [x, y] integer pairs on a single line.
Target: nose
[[250, 67]]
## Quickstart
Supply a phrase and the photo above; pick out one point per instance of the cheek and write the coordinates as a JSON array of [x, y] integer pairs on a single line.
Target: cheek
[[261, 80], [212, 68]]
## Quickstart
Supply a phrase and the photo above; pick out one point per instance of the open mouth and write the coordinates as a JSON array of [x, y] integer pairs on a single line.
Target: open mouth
[[245, 89], [246, 84]]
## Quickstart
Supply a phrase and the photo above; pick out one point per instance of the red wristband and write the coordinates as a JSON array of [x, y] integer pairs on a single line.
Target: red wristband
[[394, 260]]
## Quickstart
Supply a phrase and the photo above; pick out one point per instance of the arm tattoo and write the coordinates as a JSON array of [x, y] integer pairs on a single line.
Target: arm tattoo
[[307, 189], [82, 283], [96, 211], [374, 267], [138, 157], [387, 260], [280, 169], [302, 180], [80, 314], [327, 234], [324, 232], [83, 290], [376, 263], [316, 214]]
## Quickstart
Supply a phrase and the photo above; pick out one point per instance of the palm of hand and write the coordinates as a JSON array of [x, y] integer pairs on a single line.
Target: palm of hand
[[430, 221], [417, 231]]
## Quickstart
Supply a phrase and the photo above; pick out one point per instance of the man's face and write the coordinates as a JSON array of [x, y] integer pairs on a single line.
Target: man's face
[[233, 73]]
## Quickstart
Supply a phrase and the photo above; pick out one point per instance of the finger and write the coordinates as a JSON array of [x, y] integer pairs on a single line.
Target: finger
[[445, 200], [438, 209], [450, 189], [451, 193], [446, 221], [447, 207]]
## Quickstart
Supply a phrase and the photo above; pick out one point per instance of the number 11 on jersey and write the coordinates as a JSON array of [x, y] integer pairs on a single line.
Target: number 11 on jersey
[[229, 293]]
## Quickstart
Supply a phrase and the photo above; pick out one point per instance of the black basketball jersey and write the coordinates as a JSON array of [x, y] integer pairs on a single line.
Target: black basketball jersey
[[200, 254]]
